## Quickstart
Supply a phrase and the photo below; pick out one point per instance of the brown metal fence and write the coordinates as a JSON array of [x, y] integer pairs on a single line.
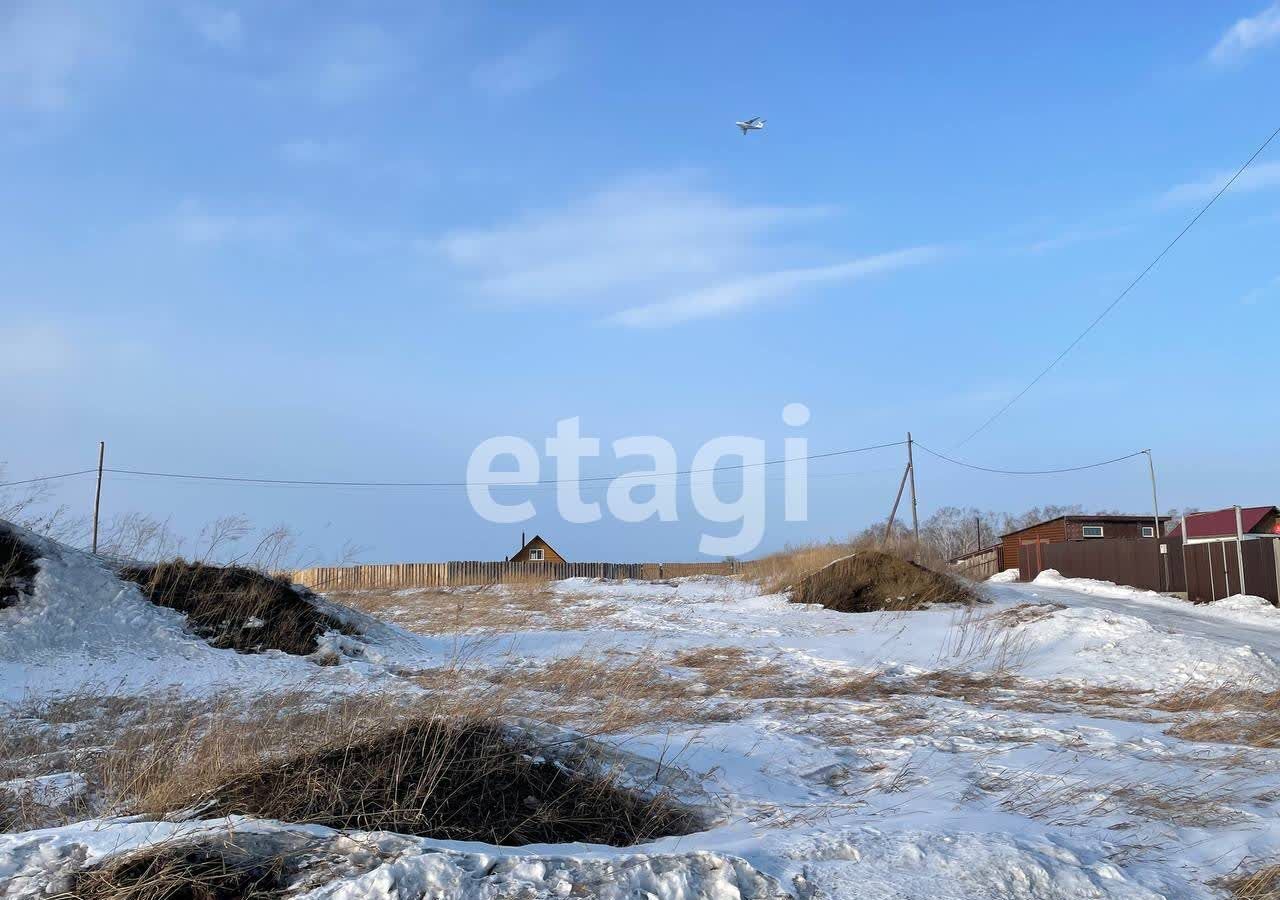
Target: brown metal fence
[[1135, 562], [459, 573], [1213, 570]]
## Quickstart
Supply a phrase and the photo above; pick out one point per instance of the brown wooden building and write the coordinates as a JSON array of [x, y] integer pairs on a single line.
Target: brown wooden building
[[1076, 528], [537, 550]]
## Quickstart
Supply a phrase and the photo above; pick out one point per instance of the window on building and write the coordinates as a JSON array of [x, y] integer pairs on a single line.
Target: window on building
[[1148, 531], [1092, 531], [535, 554]]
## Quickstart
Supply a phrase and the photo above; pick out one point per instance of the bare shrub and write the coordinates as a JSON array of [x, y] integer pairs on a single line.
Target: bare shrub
[[234, 607]]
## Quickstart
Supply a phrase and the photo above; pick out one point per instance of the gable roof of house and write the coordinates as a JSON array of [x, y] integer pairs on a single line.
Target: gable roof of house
[[1221, 522], [1096, 517], [536, 539]]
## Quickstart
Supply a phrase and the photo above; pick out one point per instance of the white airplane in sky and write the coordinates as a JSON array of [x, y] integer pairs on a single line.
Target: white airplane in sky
[[755, 123]]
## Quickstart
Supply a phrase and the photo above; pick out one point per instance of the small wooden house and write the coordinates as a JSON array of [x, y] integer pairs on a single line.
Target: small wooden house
[[537, 550]]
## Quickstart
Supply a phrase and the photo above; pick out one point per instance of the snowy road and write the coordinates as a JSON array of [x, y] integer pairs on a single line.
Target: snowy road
[[1233, 623]]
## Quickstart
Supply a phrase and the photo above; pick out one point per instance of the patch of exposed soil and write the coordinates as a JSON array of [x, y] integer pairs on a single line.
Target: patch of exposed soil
[[17, 567]]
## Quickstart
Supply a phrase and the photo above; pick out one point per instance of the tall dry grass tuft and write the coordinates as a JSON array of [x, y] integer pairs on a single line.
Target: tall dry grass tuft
[[782, 570], [1261, 884], [395, 764]]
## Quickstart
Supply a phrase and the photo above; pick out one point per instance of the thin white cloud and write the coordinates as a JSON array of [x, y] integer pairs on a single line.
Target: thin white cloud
[[47, 49], [196, 226], [653, 250], [636, 234], [1246, 36], [540, 60], [317, 152], [219, 26], [735, 295], [1265, 292], [39, 349], [1077, 236], [344, 64], [1258, 177]]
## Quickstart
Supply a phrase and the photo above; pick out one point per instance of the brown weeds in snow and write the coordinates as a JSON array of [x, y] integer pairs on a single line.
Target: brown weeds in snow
[[1226, 715], [1260, 884], [486, 608], [184, 870]]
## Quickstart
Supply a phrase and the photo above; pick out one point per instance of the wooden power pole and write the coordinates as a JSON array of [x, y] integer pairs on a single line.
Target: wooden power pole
[[915, 517], [97, 495]]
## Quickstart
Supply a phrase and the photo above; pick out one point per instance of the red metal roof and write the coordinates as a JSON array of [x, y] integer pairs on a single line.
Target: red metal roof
[[1222, 522]]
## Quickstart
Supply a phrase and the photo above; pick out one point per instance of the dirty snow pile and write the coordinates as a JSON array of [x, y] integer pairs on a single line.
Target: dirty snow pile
[[1011, 750], [85, 629]]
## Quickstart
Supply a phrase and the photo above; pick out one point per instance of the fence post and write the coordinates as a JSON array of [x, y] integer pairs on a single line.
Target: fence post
[[1240, 549]]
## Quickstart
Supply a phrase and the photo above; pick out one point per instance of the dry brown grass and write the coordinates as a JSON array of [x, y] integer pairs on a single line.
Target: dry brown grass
[[489, 608], [236, 608], [1226, 715], [447, 779], [779, 571], [185, 870], [445, 767], [1066, 800]]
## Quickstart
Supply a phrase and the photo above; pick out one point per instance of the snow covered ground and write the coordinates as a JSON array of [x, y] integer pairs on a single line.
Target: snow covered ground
[[1017, 749]]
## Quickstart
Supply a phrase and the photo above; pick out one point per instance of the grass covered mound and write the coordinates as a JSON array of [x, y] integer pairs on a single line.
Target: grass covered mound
[[453, 781], [17, 567], [236, 608], [182, 871], [874, 581]]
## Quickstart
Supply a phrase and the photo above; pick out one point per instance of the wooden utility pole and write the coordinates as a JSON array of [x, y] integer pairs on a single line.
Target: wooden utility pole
[[915, 517], [893, 512], [977, 520], [97, 495], [1161, 566]]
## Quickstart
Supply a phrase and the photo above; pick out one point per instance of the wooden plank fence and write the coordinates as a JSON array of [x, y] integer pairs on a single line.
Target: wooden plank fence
[[394, 576]]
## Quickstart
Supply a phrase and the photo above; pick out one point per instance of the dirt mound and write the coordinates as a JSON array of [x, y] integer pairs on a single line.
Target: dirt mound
[[17, 567], [182, 871], [467, 782], [873, 581], [236, 608]]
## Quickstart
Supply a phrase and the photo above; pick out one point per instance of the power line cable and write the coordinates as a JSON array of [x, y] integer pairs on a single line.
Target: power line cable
[[6, 484], [1116, 302], [1105, 462], [240, 479]]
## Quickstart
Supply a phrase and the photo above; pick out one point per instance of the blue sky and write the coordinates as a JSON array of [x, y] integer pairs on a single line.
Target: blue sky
[[351, 241]]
